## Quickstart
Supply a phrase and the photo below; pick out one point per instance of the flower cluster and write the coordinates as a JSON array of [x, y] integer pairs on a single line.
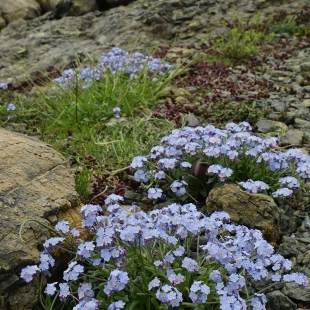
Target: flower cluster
[[3, 86], [117, 112], [117, 281], [11, 107], [134, 254], [254, 186], [190, 155], [116, 61], [199, 292], [169, 295]]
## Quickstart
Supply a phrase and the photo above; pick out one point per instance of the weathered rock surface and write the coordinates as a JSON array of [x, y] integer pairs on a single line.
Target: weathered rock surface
[[252, 210], [277, 300], [19, 9], [140, 24], [298, 292], [34, 184], [297, 250], [64, 8]]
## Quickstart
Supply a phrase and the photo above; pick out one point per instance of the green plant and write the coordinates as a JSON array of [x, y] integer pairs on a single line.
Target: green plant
[[75, 110], [144, 261], [304, 30], [288, 25], [189, 163], [235, 112], [304, 138], [245, 39]]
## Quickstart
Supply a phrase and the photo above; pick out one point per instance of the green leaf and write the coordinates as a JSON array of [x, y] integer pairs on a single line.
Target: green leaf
[[133, 304], [155, 303]]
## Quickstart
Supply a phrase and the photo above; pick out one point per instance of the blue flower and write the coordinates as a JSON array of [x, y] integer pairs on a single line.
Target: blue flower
[[138, 162], [117, 305], [11, 107], [75, 232], [50, 289], [154, 193], [290, 182], [117, 112], [190, 264], [62, 226], [28, 272], [282, 192], [3, 86], [141, 176], [111, 199], [64, 290], [154, 283]]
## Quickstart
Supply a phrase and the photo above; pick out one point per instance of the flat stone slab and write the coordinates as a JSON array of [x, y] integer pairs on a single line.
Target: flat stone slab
[[34, 184]]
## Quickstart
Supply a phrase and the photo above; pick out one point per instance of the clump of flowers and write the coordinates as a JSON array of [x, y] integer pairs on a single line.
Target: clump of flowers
[[117, 112], [138, 260], [3, 86], [191, 161], [117, 61]]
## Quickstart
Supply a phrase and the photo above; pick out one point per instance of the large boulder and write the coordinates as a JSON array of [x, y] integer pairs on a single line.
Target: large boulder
[[252, 210], [17, 9], [64, 8], [46, 5], [34, 184]]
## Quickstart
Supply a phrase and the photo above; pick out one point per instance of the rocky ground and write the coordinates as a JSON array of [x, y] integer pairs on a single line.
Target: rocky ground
[[277, 83]]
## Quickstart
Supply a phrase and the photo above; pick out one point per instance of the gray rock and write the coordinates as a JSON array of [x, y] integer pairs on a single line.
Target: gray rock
[[192, 120], [297, 291], [276, 300], [306, 103], [305, 66], [19, 9], [290, 247], [278, 106], [305, 89], [292, 137], [74, 7], [301, 124], [130, 196], [35, 184], [265, 126], [46, 5], [96, 32]]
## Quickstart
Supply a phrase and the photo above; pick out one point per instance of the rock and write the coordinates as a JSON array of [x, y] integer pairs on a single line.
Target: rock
[[62, 8], [182, 92], [276, 300], [252, 210], [181, 99], [306, 103], [131, 196], [192, 120], [297, 291], [35, 184], [290, 247], [74, 8], [292, 137], [305, 66], [266, 125], [278, 106], [46, 5], [19, 9], [141, 25], [81, 7], [3, 22], [301, 123]]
